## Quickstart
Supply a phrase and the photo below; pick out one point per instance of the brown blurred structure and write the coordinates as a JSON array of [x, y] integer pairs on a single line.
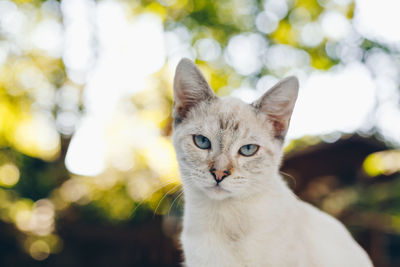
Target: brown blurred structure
[[325, 171], [335, 164]]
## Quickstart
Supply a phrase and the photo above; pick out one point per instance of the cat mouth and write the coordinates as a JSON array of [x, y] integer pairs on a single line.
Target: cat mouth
[[218, 189]]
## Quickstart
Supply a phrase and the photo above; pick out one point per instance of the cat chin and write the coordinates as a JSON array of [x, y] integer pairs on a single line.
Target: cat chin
[[217, 192]]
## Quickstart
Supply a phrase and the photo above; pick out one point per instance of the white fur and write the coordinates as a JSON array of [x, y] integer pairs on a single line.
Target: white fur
[[251, 218]]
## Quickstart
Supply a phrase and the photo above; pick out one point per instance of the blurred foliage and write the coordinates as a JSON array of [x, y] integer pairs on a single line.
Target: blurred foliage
[[36, 93]]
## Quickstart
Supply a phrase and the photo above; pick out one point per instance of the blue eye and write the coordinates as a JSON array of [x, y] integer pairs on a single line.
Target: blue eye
[[248, 150], [201, 141]]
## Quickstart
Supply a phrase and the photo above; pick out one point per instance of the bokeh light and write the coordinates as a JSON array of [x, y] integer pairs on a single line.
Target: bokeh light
[[86, 98], [39, 250], [9, 175]]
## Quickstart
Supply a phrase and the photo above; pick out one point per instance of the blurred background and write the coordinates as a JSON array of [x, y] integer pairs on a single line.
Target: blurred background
[[88, 175]]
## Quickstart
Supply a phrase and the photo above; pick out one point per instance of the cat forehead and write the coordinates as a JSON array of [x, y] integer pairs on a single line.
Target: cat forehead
[[225, 114]]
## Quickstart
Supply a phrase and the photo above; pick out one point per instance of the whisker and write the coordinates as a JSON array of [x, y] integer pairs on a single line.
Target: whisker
[[172, 204], [181, 200], [160, 201], [151, 194], [294, 184]]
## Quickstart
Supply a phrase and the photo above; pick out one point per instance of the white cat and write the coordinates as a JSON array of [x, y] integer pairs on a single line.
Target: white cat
[[238, 211]]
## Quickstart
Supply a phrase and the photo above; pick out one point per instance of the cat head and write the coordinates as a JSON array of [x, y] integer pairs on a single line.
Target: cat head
[[225, 147]]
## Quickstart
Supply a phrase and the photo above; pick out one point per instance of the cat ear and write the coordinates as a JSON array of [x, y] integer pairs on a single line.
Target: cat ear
[[190, 88], [278, 104]]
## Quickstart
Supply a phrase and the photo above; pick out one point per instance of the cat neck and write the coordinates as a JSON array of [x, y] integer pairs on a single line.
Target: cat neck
[[277, 195], [234, 218]]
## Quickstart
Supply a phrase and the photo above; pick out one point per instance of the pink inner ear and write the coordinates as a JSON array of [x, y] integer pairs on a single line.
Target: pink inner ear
[[280, 127], [182, 110]]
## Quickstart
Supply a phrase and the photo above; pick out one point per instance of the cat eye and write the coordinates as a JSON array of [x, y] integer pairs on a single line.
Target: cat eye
[[201, 141], [248, 150]]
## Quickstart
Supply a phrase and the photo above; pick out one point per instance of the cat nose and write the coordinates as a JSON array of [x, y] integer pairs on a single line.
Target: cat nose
[[219, 175]]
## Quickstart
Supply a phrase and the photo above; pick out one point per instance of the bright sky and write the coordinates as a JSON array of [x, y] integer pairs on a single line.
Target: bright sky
[[131, 49]]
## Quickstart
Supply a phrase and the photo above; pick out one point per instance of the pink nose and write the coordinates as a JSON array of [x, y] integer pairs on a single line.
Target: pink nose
[[219, 175]]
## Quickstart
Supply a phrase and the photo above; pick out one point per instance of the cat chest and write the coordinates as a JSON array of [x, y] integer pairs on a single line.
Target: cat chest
[[218, 245], [222, 228], [245, 243]]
